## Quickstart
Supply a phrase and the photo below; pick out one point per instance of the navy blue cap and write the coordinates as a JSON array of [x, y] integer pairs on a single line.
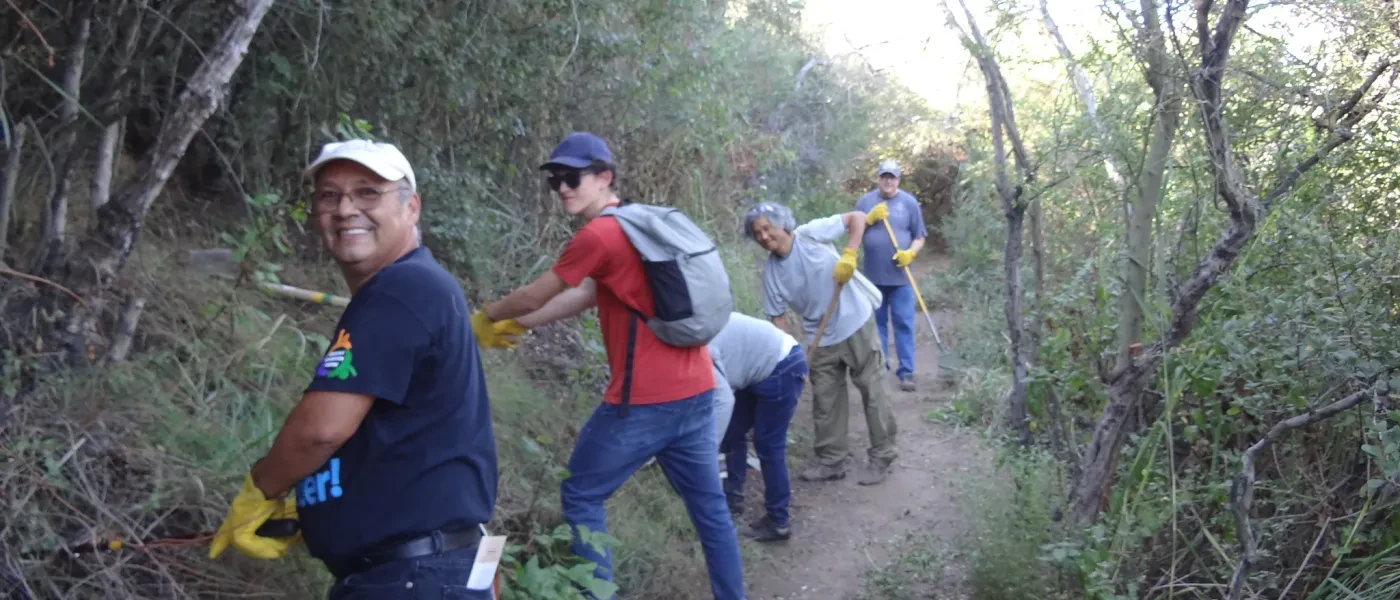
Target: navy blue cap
[[578, 150]]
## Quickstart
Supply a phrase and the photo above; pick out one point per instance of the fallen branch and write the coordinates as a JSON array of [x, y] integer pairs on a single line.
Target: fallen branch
[[1242, 488]]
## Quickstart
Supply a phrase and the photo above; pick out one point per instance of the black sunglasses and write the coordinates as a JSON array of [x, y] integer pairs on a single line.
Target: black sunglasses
[[572, 177]]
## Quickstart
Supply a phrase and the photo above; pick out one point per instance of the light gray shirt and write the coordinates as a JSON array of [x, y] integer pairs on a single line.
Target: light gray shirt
[[747, 350], [802, 281], [724, 404]]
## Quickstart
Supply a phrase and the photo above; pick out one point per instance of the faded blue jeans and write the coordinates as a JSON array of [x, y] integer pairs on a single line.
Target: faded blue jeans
[[436, 576], [899, 303], [681, 435], [766, 407]]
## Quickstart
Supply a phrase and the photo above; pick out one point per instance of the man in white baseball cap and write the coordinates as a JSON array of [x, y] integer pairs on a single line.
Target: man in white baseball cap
[[388, 461], [370, 232], [384, 159]]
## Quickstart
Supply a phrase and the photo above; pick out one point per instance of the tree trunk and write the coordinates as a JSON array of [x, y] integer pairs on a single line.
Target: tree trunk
[[65, 153], [7, 184], [107, 153], [103, 166], [1151, 185], [104, 251], [1003, 128], [1016, 400], [1038, 264]]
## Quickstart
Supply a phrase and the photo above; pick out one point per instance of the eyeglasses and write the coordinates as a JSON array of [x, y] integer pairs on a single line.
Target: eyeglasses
[[364, 198], [571, 178]]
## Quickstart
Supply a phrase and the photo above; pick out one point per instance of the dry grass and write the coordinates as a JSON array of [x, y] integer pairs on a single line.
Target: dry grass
[[150, 451]]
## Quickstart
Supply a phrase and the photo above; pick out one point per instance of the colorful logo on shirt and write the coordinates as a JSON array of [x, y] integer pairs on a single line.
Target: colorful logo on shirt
[[338, 362], [320, 486]]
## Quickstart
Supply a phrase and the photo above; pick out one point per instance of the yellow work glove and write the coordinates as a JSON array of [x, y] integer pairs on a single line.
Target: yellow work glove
[[846, 267], [876, 214], [903, 258], [506, 331], [249, 510], [485, 330]]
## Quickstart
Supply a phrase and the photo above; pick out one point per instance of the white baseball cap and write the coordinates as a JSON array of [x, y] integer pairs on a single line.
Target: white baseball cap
[[384, 159]]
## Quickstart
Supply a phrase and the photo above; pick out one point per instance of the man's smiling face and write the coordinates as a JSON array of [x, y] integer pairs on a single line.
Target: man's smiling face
[[364, 220]]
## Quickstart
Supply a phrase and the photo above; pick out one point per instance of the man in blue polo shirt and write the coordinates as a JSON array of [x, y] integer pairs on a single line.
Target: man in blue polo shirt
[[884, 264], [390, 453]]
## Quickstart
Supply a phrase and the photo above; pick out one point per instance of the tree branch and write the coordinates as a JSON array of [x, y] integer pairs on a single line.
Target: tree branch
[[1128, 385], [1080, 80], [1242, 488]]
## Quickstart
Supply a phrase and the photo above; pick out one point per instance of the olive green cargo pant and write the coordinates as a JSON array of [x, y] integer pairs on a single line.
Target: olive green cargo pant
[[859, 356]]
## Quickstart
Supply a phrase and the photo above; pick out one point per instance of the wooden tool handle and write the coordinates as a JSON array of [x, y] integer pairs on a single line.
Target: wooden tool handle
[[826, 317]]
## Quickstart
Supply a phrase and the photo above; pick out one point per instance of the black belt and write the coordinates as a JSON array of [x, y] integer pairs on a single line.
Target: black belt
[[428, 544]]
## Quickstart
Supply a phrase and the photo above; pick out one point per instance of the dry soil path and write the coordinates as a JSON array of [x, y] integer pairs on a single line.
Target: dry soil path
[[842, 529]]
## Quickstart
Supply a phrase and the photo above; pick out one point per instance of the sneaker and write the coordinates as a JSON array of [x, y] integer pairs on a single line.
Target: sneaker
[[873, 473], [765, 530], [906, 384], [822, 472]]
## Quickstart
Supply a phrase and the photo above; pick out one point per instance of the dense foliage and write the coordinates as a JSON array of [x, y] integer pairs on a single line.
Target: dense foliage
[[1306, 316], [706, 104]]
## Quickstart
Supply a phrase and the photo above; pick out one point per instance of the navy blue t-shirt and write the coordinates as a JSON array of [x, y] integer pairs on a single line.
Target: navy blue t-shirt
[[424, 458]]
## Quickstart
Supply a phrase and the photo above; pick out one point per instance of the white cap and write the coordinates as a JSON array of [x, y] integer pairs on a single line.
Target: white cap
[[384, 159]]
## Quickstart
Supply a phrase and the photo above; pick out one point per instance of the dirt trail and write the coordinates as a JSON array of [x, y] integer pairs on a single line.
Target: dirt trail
[[841, 529]]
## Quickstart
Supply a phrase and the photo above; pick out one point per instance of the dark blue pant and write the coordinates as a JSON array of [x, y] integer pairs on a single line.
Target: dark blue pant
[[899, 303], [430, 577], [681, 435], [767, 408]]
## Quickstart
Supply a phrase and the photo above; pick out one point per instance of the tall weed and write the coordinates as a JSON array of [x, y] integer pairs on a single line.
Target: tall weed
[[1014, 518]]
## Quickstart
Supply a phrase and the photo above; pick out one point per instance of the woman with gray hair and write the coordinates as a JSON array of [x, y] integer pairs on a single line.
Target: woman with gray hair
[[802, 273], [776, 214]]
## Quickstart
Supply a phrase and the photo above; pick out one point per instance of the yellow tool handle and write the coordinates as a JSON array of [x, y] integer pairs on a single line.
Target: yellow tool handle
[[895, 243]]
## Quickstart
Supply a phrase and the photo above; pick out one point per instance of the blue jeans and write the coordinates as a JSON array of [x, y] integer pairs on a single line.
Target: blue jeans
[[437, 576], [681, 435], [766, 407], [899, 302]]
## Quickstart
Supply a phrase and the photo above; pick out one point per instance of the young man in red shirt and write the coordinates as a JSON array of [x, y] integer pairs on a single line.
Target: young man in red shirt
[[670, 390]]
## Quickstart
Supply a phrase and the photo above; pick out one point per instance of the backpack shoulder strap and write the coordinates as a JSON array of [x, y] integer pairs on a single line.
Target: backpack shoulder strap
[[627, 366]]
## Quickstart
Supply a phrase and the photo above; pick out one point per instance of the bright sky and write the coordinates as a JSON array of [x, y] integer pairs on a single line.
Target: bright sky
[[912, 39]]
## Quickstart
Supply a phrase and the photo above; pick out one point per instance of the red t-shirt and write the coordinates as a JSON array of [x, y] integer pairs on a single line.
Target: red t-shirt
[[660, 372]]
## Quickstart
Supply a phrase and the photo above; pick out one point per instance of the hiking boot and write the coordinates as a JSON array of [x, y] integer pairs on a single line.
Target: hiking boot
[[765, 530], [822, 472], [872, 473], [906, 384], [736, 506]]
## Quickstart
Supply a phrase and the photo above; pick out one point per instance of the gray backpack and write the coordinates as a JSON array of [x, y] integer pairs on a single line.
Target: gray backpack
[[687, 279], [689, 286]]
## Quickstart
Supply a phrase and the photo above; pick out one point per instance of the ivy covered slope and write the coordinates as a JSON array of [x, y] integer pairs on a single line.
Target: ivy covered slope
[[141, 375]]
